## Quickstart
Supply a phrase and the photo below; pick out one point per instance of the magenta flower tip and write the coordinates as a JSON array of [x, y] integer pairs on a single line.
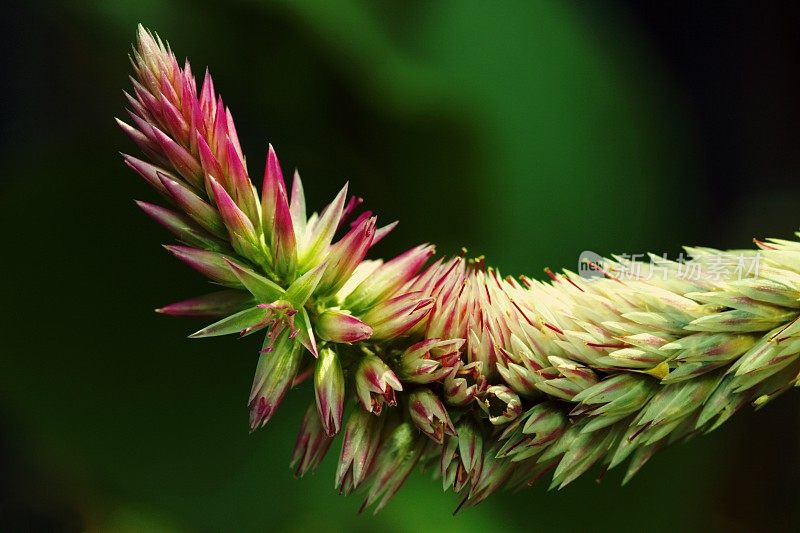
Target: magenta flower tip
[[340, 327]]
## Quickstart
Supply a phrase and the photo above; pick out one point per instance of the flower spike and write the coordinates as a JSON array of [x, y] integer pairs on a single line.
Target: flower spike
[[500, 381]]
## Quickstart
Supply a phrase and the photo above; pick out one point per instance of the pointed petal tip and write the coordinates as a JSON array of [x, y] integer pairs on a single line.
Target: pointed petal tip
[[197, 334]]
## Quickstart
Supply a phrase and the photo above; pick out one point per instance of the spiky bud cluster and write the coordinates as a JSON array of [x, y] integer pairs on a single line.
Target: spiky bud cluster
[[492, 381]]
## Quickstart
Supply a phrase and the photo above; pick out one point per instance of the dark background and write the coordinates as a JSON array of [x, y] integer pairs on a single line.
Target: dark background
[[528, 131]]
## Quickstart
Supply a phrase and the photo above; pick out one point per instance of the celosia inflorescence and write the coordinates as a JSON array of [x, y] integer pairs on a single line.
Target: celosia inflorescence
[[491, 381]]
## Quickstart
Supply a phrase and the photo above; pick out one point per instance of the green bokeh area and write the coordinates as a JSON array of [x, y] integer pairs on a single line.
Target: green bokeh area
[[526, 131]]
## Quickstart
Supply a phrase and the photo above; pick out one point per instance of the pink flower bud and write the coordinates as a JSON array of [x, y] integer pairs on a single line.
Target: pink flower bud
[[183, 227], [388, 278], [429, 360], [375, 384], [319, 234], [429, 415], [463, 384], [242, 232], [272, 187], [396, 459], [211, 264], [338, 326], [214, 305], [329, 389], [311, 445], [394, 317], [345, 256], [362, 435], [276, 370]]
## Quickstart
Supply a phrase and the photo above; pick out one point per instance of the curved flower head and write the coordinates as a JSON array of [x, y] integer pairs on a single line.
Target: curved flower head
[[565, 373], [177, 127]]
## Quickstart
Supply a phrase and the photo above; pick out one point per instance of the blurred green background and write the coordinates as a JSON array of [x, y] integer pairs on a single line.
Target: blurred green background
[[526, 131]]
